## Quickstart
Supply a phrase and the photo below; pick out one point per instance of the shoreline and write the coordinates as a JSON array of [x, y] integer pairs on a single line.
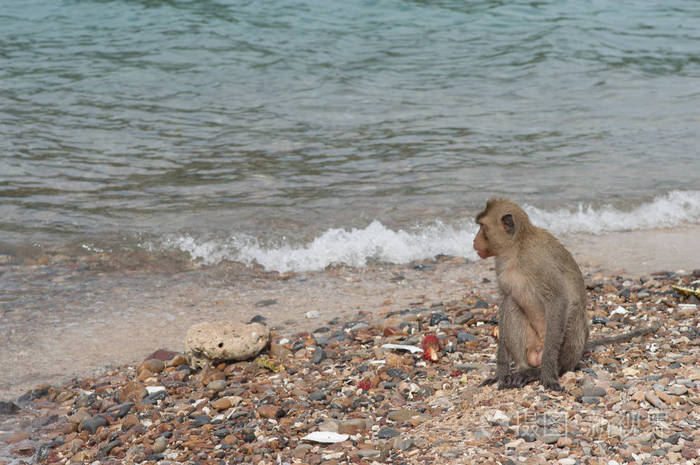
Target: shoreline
[[103, 319], [631, 401]]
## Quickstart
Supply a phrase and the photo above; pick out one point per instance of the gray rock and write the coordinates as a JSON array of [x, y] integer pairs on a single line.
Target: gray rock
[[107, 448], [318, 355], [8, 408], [465, 337], [438, 317], [200, 420], [91, 424], [590, 390], [368, 453], [403, 444], [217, 385], [387, 433], [317, 395], [121, 410], [212, 342], [160, 444], [590, 400]]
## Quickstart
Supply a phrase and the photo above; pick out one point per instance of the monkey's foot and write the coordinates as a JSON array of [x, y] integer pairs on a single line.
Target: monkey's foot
[[552, 385], [520, 378]]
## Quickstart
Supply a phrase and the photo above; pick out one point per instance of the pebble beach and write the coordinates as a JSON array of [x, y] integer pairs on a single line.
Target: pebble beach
[[326, 372]]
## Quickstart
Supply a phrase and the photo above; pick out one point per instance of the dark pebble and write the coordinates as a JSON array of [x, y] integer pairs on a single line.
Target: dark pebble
[[674, 365], [317, 395], [673, 439], [121, 410], [322, 329], [155, 457], [387, 433], [166, 434], [86, 400], [318, 355], [107, 448], [258, 319], [396, 373], [91, 424], [8, 408], [153, 399], [265, 303], [528, 436], [625, 293], [464, 337], [481, 304], [249, 437], [200, 420], [437, 317], [599, 320]]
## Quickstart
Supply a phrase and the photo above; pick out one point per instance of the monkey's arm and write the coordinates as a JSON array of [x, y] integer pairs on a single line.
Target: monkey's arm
[[623, 337]]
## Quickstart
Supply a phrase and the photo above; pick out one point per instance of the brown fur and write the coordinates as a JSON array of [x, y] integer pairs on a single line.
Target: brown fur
[[543, 327], [542, 316]]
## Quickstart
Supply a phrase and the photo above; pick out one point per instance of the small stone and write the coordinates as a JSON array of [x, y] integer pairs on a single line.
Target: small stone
[[387, 433], [153, 365], [690, 451], [92, 424], [353, 426], [437, 317], [653, 399], [498, 418], [120, 410], [221, 404], [318, 356], [200, 420], [368, 453], [313, 314], [8, 408], [129, 422], [132, 392], [564, 441], [567, 461], [463, 337], [107, 448], [677, 390], [160, 444], [401, 415], [317, 395], [217, 385], [590, 390], [550, 438], [403, 444], [270, 411]]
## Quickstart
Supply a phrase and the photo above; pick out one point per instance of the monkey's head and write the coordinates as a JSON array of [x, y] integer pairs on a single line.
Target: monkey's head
[[501, 224]]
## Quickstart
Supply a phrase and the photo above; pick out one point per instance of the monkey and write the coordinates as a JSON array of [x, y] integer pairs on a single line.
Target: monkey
[[543, 329]]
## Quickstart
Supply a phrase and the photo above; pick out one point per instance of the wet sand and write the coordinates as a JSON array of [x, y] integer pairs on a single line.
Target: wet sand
[[68, 323]]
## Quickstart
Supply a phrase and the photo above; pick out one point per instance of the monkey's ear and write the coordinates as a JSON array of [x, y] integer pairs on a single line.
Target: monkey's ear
[[508, 223]]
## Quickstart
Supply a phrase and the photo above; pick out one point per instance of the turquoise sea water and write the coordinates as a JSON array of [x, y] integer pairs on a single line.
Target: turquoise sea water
[[296, 134]]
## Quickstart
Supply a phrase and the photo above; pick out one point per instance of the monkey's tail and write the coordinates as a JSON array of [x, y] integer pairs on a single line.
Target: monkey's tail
[[623, 337]]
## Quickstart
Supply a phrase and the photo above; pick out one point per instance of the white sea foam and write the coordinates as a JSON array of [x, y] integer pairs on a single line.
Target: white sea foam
[[377, 242]]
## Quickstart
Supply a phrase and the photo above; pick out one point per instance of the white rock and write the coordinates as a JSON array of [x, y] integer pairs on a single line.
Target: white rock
[[620, 309], [312, 314], [217, 341], [498, 418], [154, 389], [412, 349], [327, 437]]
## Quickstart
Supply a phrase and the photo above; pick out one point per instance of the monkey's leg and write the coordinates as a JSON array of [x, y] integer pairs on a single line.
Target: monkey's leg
[[518, 337], [558, 315], [506, 325]]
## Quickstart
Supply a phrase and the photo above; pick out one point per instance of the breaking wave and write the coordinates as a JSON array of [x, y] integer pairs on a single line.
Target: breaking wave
[[355, 247]]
